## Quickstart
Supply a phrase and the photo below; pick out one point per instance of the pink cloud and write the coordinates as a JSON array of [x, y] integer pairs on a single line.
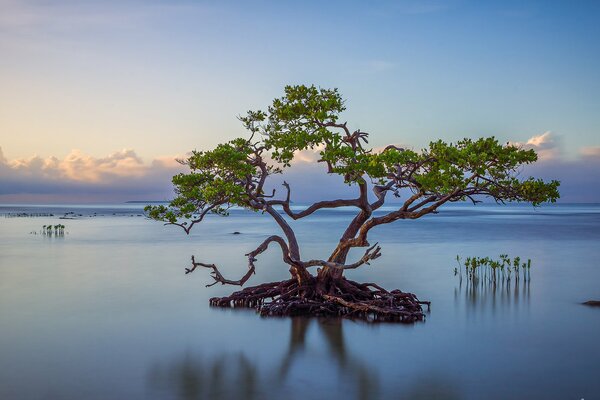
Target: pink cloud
[[122, 174], [590, 152], [545, 145], [80, 167]]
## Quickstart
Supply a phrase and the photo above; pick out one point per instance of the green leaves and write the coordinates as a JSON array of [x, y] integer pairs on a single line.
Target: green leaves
[[491, 270], [306, 117], [480, 167], [299, 120], [217, 180]]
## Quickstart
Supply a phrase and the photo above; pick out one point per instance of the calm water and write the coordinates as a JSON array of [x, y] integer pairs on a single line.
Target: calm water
[[106, 312]]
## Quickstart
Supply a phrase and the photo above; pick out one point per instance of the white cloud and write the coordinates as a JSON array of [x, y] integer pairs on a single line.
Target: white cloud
[[123, 175], [80, 167], [308, 155], [544, 140], [546, 145], [122, 172]]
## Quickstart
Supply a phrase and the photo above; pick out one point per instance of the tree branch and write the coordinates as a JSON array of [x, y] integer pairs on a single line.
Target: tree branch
[[371, 253], [219, 278], [312, 208], [381, 192], [188, 227]]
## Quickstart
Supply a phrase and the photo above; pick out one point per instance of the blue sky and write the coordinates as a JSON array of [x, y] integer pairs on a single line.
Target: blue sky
[[109, 92]]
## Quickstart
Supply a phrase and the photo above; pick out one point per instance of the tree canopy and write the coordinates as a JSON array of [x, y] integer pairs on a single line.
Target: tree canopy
[[306, 117], [235, 173]]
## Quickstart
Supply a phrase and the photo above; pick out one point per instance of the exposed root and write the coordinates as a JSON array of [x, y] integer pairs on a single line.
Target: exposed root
[[340, 298]]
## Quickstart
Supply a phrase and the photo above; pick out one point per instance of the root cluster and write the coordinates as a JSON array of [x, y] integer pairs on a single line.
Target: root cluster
[[339, 298]]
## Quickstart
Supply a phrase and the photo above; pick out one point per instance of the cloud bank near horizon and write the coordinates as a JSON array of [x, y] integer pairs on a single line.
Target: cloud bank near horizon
[[123, 176], [579, 177], [120, 176]]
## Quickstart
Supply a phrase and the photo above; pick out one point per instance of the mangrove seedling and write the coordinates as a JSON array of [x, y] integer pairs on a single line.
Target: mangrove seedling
[[491, 270]]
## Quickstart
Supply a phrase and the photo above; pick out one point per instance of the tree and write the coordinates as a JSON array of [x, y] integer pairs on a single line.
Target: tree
[[235, 174]]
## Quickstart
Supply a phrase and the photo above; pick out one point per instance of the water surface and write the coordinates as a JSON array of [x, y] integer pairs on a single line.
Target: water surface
[[106, 312]]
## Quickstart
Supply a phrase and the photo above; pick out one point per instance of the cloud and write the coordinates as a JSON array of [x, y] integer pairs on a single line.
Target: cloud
[[121, 175], [310, 156], [28, 17], [307, 156], [310, 182], [31, 16], [79, 167], [590, 152], [546, 145], [579, 177]]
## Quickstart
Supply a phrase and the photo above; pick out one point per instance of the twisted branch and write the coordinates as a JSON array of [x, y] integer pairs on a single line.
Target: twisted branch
[[312, 208], [219, 278], [371, 253]]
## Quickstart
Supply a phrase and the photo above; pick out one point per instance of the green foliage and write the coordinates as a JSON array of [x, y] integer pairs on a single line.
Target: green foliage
[[493, 270], [307, 117], [59, 230], [216, 179], [479, 164], [297, 121]]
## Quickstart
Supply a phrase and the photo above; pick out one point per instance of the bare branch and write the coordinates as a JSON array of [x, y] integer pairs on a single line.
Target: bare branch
[[420, 204], [334, 125], [188, 227], [391, 146], [219, 278], [381, 192], [312, 208], [371, 253]]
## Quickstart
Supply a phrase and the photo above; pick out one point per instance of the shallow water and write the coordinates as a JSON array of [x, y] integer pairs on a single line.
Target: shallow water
[[105, 312]]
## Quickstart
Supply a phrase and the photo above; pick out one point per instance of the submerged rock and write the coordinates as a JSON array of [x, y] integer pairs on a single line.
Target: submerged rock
[[593, 303]]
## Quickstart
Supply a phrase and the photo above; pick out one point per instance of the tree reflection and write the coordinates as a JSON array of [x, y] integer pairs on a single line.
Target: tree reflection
[[236, 376], [194, 378], [492, 296], [355, 370]]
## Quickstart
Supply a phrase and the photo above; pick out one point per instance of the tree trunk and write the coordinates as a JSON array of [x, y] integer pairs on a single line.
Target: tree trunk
[[300, 274], [327, 276]]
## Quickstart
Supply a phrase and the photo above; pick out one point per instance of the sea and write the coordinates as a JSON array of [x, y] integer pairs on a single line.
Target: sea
[[104, 309]]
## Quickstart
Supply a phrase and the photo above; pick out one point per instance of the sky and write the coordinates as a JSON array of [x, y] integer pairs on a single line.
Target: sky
[[98, 98]]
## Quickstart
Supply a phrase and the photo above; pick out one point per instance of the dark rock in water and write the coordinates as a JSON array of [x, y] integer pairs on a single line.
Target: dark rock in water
[[236, 233], [593, 303]]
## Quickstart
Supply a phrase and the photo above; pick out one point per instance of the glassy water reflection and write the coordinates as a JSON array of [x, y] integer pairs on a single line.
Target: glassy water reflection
[[489, 297], [106, 312], [237, 376]]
